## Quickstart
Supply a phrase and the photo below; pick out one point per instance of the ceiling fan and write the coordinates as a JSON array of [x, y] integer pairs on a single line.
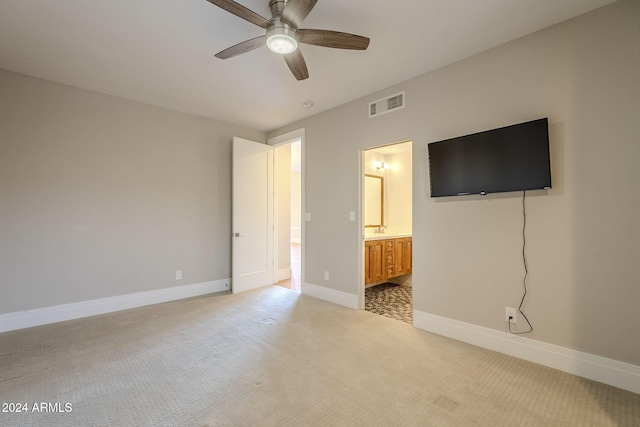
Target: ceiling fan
[[283, 33]]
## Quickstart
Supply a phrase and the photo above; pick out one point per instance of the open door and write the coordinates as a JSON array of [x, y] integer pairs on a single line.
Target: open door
[[252, 216]]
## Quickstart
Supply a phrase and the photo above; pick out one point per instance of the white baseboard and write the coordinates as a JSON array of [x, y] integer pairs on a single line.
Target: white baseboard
[[283, 274], [331, 295], [612, 372], [76, 310]]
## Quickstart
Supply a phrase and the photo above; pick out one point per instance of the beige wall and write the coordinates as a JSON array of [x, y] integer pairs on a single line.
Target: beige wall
[[583, 236], [100, 196]]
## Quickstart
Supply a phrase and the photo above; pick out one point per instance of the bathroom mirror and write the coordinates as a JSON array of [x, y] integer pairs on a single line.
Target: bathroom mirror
[[373, 200]]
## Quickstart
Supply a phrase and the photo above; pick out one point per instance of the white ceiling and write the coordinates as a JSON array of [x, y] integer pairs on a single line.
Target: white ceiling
[[161, 51], [392, 148]]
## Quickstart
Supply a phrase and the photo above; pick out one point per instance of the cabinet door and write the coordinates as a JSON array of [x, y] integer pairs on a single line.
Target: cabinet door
[[374, 261], [367, 262], [403, 256]]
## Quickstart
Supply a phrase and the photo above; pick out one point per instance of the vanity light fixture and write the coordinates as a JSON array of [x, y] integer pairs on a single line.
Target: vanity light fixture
[[380, 165]]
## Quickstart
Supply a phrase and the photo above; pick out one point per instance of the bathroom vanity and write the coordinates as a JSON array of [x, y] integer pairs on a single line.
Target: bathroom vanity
[[386, 257]]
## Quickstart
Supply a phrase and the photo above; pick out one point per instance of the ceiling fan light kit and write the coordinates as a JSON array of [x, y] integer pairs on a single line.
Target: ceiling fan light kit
[[282, 40], [283, 33]]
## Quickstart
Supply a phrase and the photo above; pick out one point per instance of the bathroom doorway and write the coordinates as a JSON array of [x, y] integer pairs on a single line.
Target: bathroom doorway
[[288, 214], [387, 203]]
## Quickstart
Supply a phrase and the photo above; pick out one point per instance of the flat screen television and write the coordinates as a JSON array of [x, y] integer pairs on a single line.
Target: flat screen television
[[512, 158]]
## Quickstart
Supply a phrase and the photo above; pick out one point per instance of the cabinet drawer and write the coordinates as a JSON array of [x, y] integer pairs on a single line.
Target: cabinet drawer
[[390, 258], [389, 245]]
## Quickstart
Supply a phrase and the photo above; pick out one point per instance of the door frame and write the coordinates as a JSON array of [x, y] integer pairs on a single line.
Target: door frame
[[288, 138], [360, 218]]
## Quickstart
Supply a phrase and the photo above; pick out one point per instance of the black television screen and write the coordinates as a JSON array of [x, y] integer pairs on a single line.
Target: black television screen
[[512, 158]]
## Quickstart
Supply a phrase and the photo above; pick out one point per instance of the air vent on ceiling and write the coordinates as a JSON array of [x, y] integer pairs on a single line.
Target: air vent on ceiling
[[386, 105]]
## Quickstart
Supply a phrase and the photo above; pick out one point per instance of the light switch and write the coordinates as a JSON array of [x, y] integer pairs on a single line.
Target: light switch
[[352, 216], [307, 216]]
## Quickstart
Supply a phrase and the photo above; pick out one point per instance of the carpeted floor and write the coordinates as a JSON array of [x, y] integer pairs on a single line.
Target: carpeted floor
[[273, 357], [390, 300]]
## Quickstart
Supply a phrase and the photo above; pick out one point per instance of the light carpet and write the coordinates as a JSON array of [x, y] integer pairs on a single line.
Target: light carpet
[[272, 357]]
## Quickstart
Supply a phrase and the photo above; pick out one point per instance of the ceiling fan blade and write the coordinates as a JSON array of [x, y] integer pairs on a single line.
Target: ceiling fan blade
[[243, 47], [297, 65], [296, 10], [334, 39], [241, 12]]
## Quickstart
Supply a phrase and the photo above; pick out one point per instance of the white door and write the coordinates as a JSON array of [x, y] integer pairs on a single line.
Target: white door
[[252, 216]]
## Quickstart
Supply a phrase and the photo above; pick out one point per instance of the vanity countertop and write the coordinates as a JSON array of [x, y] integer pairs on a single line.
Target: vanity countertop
[[384, 236]]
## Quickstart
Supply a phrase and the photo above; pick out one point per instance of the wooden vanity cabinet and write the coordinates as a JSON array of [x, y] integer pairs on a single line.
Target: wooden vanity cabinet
[[386, 258]]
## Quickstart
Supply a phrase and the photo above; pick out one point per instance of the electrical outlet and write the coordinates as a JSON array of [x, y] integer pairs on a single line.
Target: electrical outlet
[[179, 275], [326, 275], [510, 313]]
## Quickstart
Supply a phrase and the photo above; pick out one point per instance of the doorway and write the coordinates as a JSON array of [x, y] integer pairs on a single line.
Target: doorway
[[288, 213], [387, 203]]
